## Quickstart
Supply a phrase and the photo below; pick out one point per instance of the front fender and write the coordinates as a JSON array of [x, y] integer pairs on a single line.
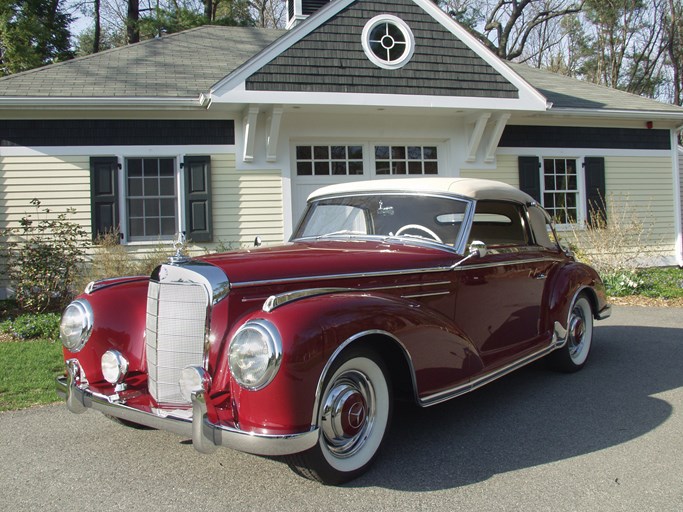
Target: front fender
[[119, 312], [313, 329]]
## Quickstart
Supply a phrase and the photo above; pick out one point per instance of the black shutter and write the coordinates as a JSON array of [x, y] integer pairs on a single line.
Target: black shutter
[[595, 190], [104, 195], [198, 222], [530, 177]]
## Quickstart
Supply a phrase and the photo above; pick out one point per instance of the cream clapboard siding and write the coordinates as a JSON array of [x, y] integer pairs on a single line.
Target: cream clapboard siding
[[635, 184], [58, 182], [246, 204]]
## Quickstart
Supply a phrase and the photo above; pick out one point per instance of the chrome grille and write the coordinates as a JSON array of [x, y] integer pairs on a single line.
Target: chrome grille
[[175, 335]]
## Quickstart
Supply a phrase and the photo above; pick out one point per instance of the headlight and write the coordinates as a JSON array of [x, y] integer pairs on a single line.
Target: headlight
[[255, 354], [76, 325], [114, 366]]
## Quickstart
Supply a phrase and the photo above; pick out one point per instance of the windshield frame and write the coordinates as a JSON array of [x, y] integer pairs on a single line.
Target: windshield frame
[[457, 247]]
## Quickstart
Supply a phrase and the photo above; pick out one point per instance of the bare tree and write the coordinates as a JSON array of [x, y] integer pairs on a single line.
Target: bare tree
[[627, 44], [132, 21], [505, 26], [674, 45], [269, 13]]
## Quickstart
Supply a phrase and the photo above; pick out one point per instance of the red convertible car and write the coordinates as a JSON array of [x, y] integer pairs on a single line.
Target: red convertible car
[[421, 288]]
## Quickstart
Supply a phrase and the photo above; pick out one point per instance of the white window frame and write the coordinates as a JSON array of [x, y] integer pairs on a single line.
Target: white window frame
[[405, 31], [369, 160], [407, 174], [330, 159], [580, 184], [123, 196]]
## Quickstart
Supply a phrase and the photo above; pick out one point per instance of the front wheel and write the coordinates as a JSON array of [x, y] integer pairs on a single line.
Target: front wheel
[[355, 412], [573, 356]]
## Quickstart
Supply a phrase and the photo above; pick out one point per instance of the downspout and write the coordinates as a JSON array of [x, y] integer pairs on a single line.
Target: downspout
[[678, 207]]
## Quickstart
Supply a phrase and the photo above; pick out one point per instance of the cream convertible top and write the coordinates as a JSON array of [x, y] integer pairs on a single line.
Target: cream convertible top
[[467, 187]]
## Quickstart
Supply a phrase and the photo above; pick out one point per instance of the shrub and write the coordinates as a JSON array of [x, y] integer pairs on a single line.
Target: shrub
[[33, 326], [43, 256], [109, 258], [616, 247]]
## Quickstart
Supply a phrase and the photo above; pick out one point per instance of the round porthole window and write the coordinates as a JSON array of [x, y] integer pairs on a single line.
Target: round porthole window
[[388, 41]]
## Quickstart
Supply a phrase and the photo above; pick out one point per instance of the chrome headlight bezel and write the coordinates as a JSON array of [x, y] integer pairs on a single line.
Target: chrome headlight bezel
[[265, 338], [76, 325]]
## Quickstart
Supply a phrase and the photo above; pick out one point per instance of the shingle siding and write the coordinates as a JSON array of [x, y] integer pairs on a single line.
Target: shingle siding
[[102, 132], [584, 137], [331, 59]]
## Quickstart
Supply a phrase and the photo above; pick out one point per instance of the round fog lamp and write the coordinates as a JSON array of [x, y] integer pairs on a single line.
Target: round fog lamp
[[114, 366], [192, 380]]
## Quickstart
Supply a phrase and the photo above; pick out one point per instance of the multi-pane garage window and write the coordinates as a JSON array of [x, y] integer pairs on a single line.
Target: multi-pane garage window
[[329, 160], [151, 198], [406, 160], [561, 189]]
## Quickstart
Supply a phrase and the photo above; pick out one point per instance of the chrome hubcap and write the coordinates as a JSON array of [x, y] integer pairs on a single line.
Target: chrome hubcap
[[348, 413], [577, 331]]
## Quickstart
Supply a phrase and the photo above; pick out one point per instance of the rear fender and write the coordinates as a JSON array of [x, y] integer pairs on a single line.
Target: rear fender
[[567, 283]]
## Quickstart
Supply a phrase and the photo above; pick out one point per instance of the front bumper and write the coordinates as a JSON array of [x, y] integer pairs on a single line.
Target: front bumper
[[206, 436]]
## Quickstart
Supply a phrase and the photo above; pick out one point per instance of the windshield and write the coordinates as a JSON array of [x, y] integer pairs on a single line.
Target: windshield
[[432, 218]]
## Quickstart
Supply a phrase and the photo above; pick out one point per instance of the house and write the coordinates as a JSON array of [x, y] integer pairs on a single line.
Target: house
[[222, 132]]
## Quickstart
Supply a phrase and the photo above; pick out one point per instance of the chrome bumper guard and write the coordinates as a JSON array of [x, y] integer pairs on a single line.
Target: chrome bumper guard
[[206, 436]]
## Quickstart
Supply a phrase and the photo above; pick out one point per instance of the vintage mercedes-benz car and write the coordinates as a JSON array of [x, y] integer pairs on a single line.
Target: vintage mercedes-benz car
[[423, 289]]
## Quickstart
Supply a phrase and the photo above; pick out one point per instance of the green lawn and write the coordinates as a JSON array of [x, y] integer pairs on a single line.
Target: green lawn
[[27, 373]]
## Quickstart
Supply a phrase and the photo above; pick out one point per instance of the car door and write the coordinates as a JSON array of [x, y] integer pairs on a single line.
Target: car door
[[499, 297]]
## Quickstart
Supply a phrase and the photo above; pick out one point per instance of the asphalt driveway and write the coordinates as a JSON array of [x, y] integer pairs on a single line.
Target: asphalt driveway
[[607, 438]]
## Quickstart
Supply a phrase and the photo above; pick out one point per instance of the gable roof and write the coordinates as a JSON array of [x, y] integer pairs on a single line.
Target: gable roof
[[323, 57]]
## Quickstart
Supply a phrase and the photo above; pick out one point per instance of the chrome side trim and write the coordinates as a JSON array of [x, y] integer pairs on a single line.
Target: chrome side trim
[[199, 428], [275, 301], [463, 389], [288, 280], [503, 264], [420, 295], [359, 275], [94, 286]]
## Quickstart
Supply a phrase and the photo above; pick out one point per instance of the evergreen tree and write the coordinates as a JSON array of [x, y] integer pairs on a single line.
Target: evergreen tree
[[33, 33]]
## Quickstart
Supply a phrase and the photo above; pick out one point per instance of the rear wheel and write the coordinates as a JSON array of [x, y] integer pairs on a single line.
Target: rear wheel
[[356, 407], [573, 356]]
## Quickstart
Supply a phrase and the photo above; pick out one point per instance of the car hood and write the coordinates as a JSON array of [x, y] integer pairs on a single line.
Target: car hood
[[326, 258]]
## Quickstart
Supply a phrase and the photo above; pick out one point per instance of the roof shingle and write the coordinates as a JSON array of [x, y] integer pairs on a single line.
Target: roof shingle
[[181, 65]]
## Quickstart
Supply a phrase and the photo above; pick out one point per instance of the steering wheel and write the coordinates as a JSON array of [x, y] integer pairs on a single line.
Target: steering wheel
[[419, 228]]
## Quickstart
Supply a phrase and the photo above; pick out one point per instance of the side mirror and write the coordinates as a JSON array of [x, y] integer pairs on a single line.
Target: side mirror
[[478, 249], [257, 241]]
